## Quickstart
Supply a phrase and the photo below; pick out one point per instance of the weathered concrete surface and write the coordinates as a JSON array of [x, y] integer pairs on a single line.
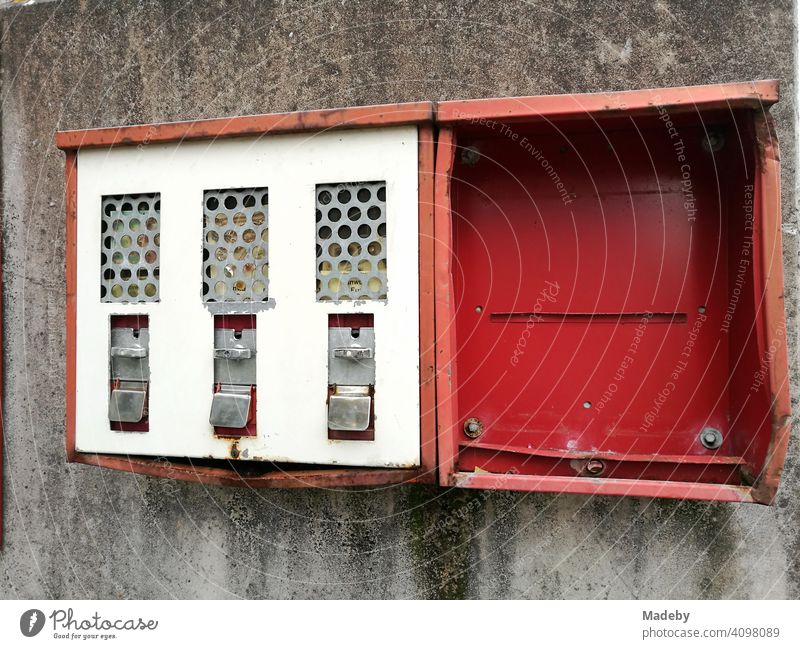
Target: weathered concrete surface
[[75, 531]]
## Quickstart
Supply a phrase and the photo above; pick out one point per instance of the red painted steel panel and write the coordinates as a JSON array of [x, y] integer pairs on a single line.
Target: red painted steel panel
[[616, 290], [624, 244]]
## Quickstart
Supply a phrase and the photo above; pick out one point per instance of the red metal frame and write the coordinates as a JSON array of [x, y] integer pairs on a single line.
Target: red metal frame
[[629, 103], [313, 120], [249, 474], [747, 466]]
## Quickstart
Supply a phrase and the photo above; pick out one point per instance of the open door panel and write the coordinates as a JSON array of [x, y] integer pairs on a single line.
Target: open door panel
[[610, 307]]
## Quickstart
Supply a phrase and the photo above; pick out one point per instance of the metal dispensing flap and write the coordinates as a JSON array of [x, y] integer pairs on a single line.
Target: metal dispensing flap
[[349, 408], [126, 403], [235, 357], [230, 406], [351, 360], [129, 353]]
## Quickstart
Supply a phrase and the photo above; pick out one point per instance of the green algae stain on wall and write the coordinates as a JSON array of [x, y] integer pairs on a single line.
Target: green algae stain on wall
[[442, 528]]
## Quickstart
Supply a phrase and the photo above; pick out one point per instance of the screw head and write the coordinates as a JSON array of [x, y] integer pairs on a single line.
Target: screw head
[[711, 438], [595, 467], [473, 427], [470, 155], [714, 140]]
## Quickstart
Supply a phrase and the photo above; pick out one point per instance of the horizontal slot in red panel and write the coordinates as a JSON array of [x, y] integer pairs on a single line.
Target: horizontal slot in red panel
[[600, 318]]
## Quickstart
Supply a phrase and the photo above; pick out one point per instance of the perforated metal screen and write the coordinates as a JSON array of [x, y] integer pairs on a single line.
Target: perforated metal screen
[[129, 253], [235, 245], [351, 241]]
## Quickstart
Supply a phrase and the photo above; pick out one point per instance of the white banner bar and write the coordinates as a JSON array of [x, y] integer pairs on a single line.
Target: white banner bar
[[379, 625]]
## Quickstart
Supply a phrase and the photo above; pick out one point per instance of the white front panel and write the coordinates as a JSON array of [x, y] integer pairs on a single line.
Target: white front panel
[[292, 335]]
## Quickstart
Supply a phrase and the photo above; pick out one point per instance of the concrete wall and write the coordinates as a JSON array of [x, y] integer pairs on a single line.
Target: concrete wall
[[75, 531]]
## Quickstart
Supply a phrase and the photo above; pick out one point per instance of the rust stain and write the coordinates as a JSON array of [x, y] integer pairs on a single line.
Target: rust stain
[[269, 477]]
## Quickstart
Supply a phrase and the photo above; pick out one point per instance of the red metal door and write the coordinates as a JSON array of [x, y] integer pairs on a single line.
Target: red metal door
[[611, 291]]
